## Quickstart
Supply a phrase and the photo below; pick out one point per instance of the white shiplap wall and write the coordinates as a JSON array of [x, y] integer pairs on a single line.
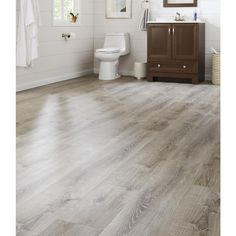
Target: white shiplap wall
[[60, 60], [209, 11]]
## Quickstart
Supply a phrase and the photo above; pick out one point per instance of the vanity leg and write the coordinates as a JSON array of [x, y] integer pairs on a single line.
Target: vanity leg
[[195, 80], [150, 78]]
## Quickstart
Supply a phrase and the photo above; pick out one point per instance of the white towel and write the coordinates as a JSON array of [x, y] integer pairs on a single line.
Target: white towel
[[27, 33], [144, 19]]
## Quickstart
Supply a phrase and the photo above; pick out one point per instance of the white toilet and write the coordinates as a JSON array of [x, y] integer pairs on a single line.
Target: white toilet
[[115, 45]]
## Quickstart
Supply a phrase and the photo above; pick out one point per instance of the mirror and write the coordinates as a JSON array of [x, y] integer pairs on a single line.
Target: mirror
[[66, 12], [180, 3]]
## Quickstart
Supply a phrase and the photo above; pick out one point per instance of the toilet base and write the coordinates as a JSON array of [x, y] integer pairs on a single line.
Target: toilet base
[[108, 70]]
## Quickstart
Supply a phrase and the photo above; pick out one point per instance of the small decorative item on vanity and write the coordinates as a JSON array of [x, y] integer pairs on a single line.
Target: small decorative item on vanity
[[74, 17], [195, 15], [118, 9]]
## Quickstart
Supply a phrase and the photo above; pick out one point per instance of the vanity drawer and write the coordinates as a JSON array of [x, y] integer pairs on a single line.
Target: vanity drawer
[[173, 67]]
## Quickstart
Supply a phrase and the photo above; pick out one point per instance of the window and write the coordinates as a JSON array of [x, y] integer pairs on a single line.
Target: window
[[66, 12]]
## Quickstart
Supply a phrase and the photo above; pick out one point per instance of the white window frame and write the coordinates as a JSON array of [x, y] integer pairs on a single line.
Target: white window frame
[[77, 8]]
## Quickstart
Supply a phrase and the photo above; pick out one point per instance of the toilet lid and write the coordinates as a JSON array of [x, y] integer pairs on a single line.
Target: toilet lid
[[108, 50]]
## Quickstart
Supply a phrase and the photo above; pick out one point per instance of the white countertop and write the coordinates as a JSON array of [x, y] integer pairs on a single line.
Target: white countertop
[[173, 21]]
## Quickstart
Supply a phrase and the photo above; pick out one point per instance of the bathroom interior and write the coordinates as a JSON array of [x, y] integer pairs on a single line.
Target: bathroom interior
[[61, 59], [118, 117]]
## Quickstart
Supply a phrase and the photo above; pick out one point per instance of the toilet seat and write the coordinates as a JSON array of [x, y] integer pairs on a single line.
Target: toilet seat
[[108, 50]]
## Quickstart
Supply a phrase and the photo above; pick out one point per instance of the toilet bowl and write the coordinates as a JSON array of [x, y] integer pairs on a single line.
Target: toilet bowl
[[115, 46]]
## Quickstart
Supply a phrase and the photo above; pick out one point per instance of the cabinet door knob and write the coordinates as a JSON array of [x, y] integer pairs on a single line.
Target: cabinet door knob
[[158, 65], [184, 66]]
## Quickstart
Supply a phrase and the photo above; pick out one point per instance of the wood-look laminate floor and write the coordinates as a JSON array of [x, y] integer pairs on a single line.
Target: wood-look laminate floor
[[124, 157]]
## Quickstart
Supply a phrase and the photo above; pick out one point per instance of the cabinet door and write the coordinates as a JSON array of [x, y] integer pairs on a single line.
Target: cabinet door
[[184, 41], [159, 41]]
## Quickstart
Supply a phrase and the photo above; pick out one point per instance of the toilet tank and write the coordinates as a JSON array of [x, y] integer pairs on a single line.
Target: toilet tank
[[118, 40]]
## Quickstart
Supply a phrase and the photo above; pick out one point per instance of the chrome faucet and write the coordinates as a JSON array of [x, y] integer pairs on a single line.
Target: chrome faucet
[[178, 17]]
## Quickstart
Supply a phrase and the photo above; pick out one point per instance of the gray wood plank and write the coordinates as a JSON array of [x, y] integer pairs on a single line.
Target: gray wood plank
[[121, 157]]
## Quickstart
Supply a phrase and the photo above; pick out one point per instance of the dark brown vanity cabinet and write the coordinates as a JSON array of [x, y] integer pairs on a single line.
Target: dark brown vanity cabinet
[[176, 52]]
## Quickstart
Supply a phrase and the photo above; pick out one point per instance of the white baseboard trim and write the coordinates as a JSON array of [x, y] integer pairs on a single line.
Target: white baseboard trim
[[51, 80]]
